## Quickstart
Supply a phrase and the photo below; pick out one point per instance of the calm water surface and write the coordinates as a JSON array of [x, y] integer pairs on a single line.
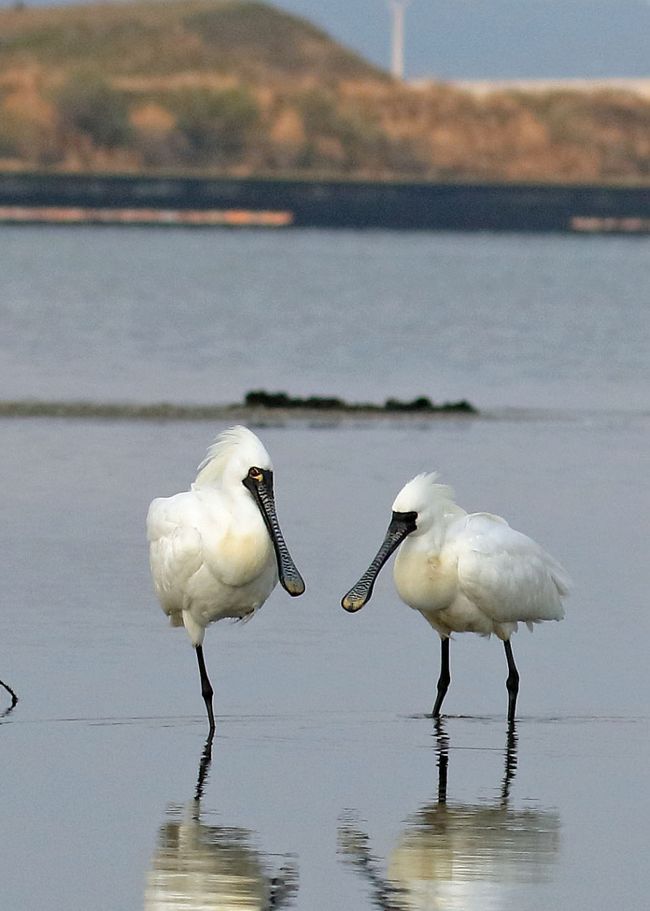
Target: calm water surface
[[328, 786], [204, 316]]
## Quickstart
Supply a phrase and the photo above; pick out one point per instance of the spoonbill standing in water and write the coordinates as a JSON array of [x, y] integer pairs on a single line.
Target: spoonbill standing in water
[[217, 550], [464, 573]]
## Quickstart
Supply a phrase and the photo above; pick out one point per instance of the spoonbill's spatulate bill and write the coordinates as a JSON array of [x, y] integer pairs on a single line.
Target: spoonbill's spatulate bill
[[464, 573], [217, 550]]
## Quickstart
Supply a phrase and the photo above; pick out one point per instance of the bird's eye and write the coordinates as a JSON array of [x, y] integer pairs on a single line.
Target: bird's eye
[[255, 473]]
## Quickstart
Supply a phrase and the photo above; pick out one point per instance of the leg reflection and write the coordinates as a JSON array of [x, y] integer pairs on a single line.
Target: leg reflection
[[442, 750], [511, 763], [204, 767], [442, 761]]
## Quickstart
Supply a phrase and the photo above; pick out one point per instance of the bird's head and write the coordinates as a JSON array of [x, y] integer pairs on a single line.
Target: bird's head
[[238, 457], [430, 501], [231, 457], [416, 509]]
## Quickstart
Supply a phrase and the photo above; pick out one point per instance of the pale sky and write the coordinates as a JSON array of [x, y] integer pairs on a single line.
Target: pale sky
[[492, 39]]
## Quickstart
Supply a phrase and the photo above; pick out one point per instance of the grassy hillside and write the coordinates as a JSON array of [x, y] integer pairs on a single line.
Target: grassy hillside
[[247, 40], [242, 88]]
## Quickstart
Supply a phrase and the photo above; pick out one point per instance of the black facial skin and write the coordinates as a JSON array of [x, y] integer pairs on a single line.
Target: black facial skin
[[259, 481], [401, 525]]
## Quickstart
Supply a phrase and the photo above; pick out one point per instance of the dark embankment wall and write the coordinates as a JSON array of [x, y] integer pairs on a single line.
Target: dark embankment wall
[[339, 204]]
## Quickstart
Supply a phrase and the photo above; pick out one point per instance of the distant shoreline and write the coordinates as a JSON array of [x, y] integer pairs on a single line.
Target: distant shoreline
[[258, 414]]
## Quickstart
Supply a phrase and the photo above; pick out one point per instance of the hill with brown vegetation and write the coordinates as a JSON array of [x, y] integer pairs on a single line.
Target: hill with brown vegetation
[[217, 86]]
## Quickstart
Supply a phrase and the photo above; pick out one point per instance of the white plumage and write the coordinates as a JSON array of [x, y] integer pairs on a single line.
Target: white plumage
[[464, 573], [472, 573], [216, 551]]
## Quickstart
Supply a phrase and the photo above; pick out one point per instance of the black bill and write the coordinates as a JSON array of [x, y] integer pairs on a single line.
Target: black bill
[[261, 487], [401, 525]]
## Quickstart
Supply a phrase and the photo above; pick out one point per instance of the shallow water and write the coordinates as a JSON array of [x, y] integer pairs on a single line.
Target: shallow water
[[325, 785]]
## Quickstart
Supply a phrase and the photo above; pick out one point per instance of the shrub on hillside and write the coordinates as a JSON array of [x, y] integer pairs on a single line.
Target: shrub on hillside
[[88, 104], [24, 139], [215, 125]]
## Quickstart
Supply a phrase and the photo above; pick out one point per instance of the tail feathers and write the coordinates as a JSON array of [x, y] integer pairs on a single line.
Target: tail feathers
[[560, 576]]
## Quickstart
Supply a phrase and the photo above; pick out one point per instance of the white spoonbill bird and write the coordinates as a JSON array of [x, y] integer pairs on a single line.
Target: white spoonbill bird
[[464, 573], [217, 550]]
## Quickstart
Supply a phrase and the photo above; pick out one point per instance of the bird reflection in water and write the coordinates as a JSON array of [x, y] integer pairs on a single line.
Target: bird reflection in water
[[197, 867], [459, 857]]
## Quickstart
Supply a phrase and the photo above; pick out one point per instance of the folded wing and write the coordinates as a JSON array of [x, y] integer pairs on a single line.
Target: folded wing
[[175, 551], [507, 575]]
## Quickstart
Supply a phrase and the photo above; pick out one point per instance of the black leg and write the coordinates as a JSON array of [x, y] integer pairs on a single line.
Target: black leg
[[206, 687], [512, 683], [444, 678]]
